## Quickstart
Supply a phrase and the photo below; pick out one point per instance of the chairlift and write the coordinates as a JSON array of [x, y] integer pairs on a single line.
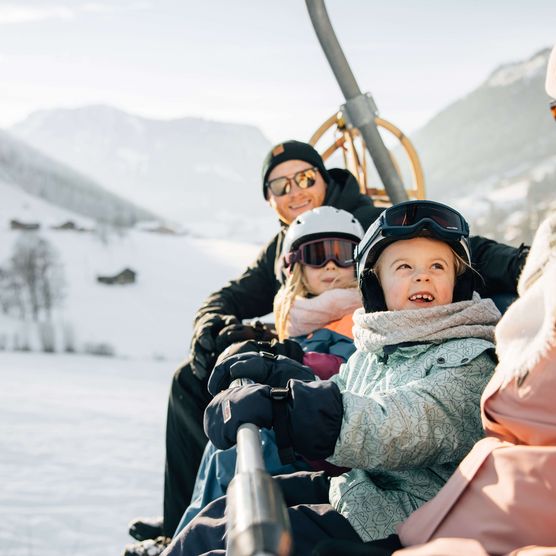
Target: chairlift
[[355, 126]]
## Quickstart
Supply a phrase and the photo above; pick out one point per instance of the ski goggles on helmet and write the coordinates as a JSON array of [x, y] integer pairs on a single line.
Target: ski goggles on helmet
[[319, 252], [411, 216], [407, 220], [303, 179]]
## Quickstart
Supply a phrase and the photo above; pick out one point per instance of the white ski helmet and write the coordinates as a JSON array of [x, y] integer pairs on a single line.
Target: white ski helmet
[[321, 223]]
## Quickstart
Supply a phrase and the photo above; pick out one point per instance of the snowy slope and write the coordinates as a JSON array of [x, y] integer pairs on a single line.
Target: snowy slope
[[151, 318], [82, 444], [82, 437]]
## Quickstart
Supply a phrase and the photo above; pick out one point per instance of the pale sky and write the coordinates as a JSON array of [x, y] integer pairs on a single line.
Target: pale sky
[[257, 61]]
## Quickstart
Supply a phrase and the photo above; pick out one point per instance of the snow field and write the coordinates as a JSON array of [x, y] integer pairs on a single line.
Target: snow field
[[82, 444]]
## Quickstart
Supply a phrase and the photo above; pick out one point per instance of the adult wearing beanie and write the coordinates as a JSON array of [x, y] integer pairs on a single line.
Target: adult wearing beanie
[[218, 323], [294, 180]]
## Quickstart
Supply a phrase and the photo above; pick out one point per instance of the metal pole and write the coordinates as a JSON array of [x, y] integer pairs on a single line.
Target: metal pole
[[257, 521], [360, 108]]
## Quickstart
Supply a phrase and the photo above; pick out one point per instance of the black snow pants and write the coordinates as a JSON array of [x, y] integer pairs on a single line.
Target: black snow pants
[[310, 523], [185, 443]]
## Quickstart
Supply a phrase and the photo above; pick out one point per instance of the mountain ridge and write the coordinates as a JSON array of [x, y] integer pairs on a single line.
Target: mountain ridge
[[491, 133], [182, 168], [35, 173]]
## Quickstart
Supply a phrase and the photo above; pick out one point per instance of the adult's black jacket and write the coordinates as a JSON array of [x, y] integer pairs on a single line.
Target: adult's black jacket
[[252, 294]]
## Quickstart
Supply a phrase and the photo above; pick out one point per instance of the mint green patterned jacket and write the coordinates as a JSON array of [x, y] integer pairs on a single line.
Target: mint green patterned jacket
[[409, 418]]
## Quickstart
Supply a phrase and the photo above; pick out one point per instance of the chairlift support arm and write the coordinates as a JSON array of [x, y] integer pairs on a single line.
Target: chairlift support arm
[[361, 108]]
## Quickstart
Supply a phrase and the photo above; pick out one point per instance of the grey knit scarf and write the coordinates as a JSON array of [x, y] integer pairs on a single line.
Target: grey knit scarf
[[464, 319]]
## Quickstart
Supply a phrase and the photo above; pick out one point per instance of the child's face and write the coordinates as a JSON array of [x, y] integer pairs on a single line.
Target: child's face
[[329, 276], [417, 273]]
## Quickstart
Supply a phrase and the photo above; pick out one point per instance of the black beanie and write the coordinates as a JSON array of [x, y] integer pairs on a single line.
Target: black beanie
[[292, 150]]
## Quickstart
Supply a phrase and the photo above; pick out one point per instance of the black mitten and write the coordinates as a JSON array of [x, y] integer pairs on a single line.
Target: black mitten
[[232, 408], [287, 348], [315, 417], [260, 367]]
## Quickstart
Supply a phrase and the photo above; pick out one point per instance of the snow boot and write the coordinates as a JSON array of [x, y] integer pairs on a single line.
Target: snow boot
[[144, 528], [150, 547]]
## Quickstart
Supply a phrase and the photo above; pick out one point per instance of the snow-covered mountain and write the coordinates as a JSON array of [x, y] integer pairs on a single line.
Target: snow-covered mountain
[[184, 169], [492, 153], [498, 131], [31, 171]]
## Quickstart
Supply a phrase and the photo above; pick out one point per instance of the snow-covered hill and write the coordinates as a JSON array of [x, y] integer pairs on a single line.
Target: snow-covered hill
[[82, 437], [31, 171], [492, 153], [151, 318], [497, 132], [184, 169]]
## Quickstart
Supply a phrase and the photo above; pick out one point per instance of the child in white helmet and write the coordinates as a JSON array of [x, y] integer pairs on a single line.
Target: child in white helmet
[[317, 257], [403, 411], [320, 286]]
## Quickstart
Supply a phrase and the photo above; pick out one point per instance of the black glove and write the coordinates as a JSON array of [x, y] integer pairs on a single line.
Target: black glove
[[232, 408], [238, 332], [260, 367], [203, 345], [287, 348], [314, 415]]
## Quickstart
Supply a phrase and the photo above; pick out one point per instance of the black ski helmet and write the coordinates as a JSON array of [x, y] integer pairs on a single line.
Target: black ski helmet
[[408, 220]]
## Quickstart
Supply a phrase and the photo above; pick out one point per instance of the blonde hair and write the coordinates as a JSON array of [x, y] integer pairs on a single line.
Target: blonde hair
[[294, 286], [461, 265]]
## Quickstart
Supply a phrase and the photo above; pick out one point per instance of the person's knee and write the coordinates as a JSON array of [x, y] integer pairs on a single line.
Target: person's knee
[[182, 374], [204, 533], [187, 388]]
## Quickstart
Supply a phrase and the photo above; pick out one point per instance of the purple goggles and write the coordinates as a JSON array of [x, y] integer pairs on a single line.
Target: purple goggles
[[318, 252]]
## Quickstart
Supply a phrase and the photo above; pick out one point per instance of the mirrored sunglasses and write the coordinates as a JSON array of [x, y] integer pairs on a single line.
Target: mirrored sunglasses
[[282, 186], [318, 252], [553, 109]]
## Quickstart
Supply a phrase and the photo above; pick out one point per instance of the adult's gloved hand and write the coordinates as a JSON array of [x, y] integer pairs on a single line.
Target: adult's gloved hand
[[203, 345], [287, 348], [260, 367], [314, 413], [239, 332]]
